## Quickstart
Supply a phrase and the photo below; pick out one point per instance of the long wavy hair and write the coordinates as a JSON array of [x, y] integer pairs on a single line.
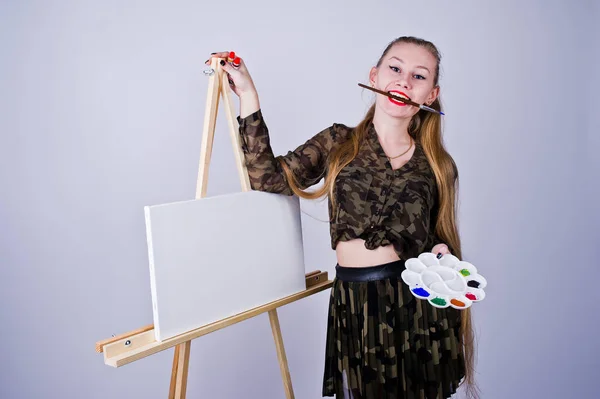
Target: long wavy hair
[[425, 127]]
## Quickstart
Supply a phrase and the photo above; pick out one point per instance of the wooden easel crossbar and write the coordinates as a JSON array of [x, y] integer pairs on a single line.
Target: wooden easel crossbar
[[138, 344]]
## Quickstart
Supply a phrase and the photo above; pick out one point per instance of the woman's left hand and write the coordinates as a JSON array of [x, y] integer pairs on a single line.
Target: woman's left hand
[[441, 249]]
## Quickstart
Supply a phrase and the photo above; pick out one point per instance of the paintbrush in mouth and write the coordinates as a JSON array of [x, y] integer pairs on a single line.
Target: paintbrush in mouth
[[404, 100]]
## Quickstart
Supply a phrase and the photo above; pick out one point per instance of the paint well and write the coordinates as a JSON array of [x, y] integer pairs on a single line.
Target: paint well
[[456, 302], [438, 301], [421, 292]]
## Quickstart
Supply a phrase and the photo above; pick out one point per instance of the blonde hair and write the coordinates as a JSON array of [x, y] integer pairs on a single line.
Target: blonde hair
[[425, 127]]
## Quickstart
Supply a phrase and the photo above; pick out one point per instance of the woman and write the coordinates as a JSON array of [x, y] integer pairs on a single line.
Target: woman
[[391, 188]]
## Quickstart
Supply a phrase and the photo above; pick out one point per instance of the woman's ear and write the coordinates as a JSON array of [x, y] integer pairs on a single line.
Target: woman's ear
[[435, 92], [373, 76]]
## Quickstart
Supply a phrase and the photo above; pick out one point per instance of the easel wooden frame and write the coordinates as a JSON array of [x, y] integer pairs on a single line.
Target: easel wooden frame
[[134, 345]]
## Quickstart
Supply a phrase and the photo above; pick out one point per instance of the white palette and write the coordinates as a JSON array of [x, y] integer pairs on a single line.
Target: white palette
[[215, 257]]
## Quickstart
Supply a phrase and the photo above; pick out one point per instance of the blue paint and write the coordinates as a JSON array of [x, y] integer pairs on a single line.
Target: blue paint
[[421, 292]]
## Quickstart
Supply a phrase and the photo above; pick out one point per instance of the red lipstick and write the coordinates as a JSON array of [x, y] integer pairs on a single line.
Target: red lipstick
[[398, 93]]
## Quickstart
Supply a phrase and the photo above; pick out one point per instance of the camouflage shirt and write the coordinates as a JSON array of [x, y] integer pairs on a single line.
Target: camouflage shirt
[[373, 202]]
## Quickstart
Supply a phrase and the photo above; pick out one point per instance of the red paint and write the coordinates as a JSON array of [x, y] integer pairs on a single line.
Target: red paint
[[471, 296], [231, 56], [398, 93], [236, 62]]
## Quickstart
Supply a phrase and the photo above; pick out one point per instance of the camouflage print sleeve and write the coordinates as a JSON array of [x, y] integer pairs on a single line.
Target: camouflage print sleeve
[[307, 162]]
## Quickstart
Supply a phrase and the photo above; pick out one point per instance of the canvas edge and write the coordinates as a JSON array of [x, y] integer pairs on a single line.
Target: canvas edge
[[153, 287]]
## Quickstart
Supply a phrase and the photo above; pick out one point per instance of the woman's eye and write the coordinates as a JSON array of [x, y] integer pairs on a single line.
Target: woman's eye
[[396, 69]]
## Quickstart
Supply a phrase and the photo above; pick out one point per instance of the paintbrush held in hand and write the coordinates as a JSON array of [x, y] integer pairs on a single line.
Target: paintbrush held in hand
[[404, 100]]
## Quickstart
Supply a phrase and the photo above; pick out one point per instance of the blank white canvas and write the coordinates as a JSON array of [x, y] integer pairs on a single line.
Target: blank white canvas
[[215, 257]]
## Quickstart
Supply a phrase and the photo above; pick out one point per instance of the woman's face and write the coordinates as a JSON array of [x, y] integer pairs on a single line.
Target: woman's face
[[407, 70]]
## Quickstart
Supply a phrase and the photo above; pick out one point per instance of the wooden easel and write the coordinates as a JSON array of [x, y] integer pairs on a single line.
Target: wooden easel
[[134, 345]]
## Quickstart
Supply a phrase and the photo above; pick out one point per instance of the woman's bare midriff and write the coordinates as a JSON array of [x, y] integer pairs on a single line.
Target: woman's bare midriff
[[353, 253]]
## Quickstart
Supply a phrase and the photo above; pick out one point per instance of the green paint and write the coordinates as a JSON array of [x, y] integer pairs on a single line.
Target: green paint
[[439, 301], [465, 272]]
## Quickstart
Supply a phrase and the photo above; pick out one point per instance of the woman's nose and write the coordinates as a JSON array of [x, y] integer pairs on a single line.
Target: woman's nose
[[402, 83]]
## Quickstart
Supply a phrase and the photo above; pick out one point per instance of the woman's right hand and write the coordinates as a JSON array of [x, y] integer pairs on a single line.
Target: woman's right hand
[[240, 80]]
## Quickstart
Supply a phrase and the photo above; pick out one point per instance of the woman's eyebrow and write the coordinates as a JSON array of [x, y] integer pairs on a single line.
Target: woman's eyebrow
[[418, 66]]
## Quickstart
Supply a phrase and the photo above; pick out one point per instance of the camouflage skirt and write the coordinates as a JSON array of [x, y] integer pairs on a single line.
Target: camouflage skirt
[[384, 343]]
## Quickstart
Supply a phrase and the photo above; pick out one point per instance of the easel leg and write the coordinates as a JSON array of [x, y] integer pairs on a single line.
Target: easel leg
[[283, 365], [181, 361], [174, 373]]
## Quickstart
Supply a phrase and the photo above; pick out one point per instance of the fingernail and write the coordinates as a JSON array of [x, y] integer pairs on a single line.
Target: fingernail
[[439, 255], [212, 53], [222, 62], [207, 61]]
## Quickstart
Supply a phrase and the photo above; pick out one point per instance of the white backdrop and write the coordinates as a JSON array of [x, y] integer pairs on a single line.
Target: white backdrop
[[101, 107]]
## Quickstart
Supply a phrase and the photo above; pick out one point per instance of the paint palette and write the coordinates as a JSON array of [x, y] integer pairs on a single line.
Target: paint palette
[[444, 282]]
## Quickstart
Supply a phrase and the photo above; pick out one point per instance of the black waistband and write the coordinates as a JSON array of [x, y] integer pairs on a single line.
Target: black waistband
[[370, 273]]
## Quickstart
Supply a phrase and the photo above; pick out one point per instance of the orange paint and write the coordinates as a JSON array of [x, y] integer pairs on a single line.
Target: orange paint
[[456, 302]]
